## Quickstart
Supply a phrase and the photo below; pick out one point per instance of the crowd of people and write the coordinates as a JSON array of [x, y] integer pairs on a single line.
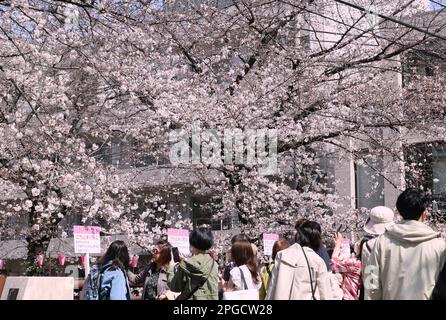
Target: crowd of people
[[395, 260]]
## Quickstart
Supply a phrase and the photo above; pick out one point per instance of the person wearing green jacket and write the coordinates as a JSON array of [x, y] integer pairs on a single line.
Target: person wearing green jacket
[[196, 277]]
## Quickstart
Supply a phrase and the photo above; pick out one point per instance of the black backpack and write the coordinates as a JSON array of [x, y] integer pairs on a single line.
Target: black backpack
[[361, 284]]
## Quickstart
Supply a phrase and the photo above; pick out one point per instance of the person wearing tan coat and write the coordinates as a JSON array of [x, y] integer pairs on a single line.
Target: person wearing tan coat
[[406, 260], [299, 272]]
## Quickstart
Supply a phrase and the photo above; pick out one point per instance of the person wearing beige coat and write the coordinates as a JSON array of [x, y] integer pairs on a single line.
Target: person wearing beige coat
[[290, 279], [299, 272], [406, 260]]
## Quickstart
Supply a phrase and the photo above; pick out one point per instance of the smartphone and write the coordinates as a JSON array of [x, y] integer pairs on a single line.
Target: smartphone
[[176, 254]]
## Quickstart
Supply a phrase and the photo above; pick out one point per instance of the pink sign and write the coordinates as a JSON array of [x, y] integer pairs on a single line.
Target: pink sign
[[270, 236], [87, 229], [179, 238], [178, 232], [268, 243], [87, 239]]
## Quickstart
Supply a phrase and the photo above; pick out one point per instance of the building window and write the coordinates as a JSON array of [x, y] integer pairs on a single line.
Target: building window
[[116, 154], [426, 169], [429, 71], [369, 185], [203, 209], [418, 158], [305, 41], [439, 172], [159, 210], [327, 167]]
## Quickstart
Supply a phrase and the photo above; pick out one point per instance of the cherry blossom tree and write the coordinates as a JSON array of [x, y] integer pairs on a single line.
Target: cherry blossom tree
[[77, 76]]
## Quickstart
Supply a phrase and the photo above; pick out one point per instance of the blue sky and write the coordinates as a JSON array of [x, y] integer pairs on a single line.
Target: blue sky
[[435, 6]]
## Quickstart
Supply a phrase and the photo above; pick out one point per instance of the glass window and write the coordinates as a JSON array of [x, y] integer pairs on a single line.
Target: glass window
[[369, 185], [439, 175], [116, 154], [203, 209]]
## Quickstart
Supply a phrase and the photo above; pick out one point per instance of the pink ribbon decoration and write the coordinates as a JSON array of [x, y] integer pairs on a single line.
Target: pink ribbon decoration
[[62, 259], [39, 259], [2, 264], [135, 259]]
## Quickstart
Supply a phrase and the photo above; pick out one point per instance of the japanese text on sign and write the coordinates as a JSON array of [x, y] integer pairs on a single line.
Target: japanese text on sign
[[179, 238], [268, 243], [87, 239]]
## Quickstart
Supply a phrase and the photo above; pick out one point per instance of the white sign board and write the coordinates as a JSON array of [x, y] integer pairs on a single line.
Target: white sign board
[[38, 288], [179, 238], [268, 243], [87, 239]]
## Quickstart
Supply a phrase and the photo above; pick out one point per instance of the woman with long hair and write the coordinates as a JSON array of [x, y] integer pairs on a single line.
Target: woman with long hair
[[111, 270], [154, 276], [246, 273]]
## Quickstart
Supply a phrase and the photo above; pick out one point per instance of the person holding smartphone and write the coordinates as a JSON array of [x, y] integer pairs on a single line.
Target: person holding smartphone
[[347, 266], [176, 255], [196, 277], [154, 276]]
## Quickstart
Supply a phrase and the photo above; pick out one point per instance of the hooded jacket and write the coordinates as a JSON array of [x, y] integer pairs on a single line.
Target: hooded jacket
[[290, 279], [190, 273], [404, 263]]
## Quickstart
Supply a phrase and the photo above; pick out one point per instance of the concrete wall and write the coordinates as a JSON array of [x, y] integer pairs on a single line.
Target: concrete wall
[[39, 288]]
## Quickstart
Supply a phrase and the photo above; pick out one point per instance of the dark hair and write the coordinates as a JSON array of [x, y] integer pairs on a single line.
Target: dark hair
[[118, 253], [243, 254], [309, 235], [411, 204], [299, 223], [166, 251], [201, 238], [279, 245], [239, 237]]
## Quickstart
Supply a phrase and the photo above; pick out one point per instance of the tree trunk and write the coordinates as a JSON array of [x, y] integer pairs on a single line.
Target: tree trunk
[[35, 247]]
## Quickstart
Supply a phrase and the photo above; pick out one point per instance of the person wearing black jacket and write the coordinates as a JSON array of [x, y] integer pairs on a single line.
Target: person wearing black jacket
[[322, 251], [439, 292]]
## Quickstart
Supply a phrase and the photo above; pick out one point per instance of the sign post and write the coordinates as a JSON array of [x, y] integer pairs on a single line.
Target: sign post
[[87, 240], [179, 238], [87, 265], [268, 243]]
